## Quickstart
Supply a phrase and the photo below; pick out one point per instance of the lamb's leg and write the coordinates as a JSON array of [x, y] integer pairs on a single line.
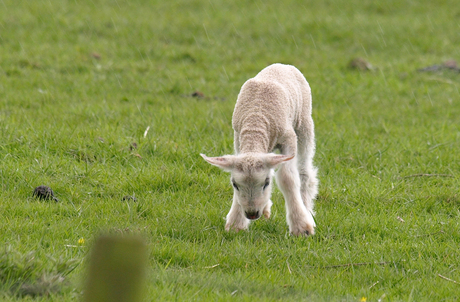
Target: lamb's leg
[[299, 219], [235, 218], [267, 209], [308, 179]]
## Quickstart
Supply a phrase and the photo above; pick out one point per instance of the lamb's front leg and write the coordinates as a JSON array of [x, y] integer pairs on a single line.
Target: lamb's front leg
[[236, 220], [267, 210], [299, 219]]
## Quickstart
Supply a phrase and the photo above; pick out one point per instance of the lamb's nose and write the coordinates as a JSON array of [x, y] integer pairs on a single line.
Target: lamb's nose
[[253, 215]]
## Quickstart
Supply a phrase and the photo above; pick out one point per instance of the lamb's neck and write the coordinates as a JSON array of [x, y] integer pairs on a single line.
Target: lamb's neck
[[254, 141]]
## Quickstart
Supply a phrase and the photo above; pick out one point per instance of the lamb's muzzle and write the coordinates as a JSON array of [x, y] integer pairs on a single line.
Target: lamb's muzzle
[[253, 215], [273, 111]]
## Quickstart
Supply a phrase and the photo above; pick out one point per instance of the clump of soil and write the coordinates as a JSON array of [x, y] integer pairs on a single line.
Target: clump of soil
[[96, 55], [198, 94], [128, 198], [450, 64], [201, 96], [133, 146], [360, 64], [44, 193]]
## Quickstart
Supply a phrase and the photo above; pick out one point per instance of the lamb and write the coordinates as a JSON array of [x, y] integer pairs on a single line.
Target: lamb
[[272, 112]]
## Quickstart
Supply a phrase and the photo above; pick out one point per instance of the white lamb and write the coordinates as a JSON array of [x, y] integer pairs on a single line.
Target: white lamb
[[273, 112]]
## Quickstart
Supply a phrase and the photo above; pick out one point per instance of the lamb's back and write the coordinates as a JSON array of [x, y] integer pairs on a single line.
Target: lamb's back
[[277, 93], [289, 78]]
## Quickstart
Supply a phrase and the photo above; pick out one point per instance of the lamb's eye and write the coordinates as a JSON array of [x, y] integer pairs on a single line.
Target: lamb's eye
[[235, 186], [267, 182]]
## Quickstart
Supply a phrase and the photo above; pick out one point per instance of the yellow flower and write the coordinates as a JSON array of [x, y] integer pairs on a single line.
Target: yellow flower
[[363, 299], [81, 241]]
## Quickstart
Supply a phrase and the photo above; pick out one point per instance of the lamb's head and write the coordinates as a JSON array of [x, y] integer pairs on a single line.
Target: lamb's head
[[251, 178]]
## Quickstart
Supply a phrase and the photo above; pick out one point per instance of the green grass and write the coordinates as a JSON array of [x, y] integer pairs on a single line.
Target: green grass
[[80, 81]]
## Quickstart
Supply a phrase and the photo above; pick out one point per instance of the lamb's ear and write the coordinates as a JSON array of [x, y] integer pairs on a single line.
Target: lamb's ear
[[273, 160], [225, 162]]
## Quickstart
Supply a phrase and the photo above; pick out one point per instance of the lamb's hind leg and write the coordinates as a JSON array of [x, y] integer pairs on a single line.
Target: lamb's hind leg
[[307, 172], [299, 219]]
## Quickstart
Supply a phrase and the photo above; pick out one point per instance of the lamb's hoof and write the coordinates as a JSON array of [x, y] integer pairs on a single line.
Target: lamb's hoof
[[307, 230], [310, 232], [267, 214], [267, 210], [235, 227]]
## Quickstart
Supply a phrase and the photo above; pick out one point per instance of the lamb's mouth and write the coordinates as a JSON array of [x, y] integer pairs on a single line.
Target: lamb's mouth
[[253, 215]]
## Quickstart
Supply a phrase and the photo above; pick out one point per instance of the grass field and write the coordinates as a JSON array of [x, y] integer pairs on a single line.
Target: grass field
[[95, 102]]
